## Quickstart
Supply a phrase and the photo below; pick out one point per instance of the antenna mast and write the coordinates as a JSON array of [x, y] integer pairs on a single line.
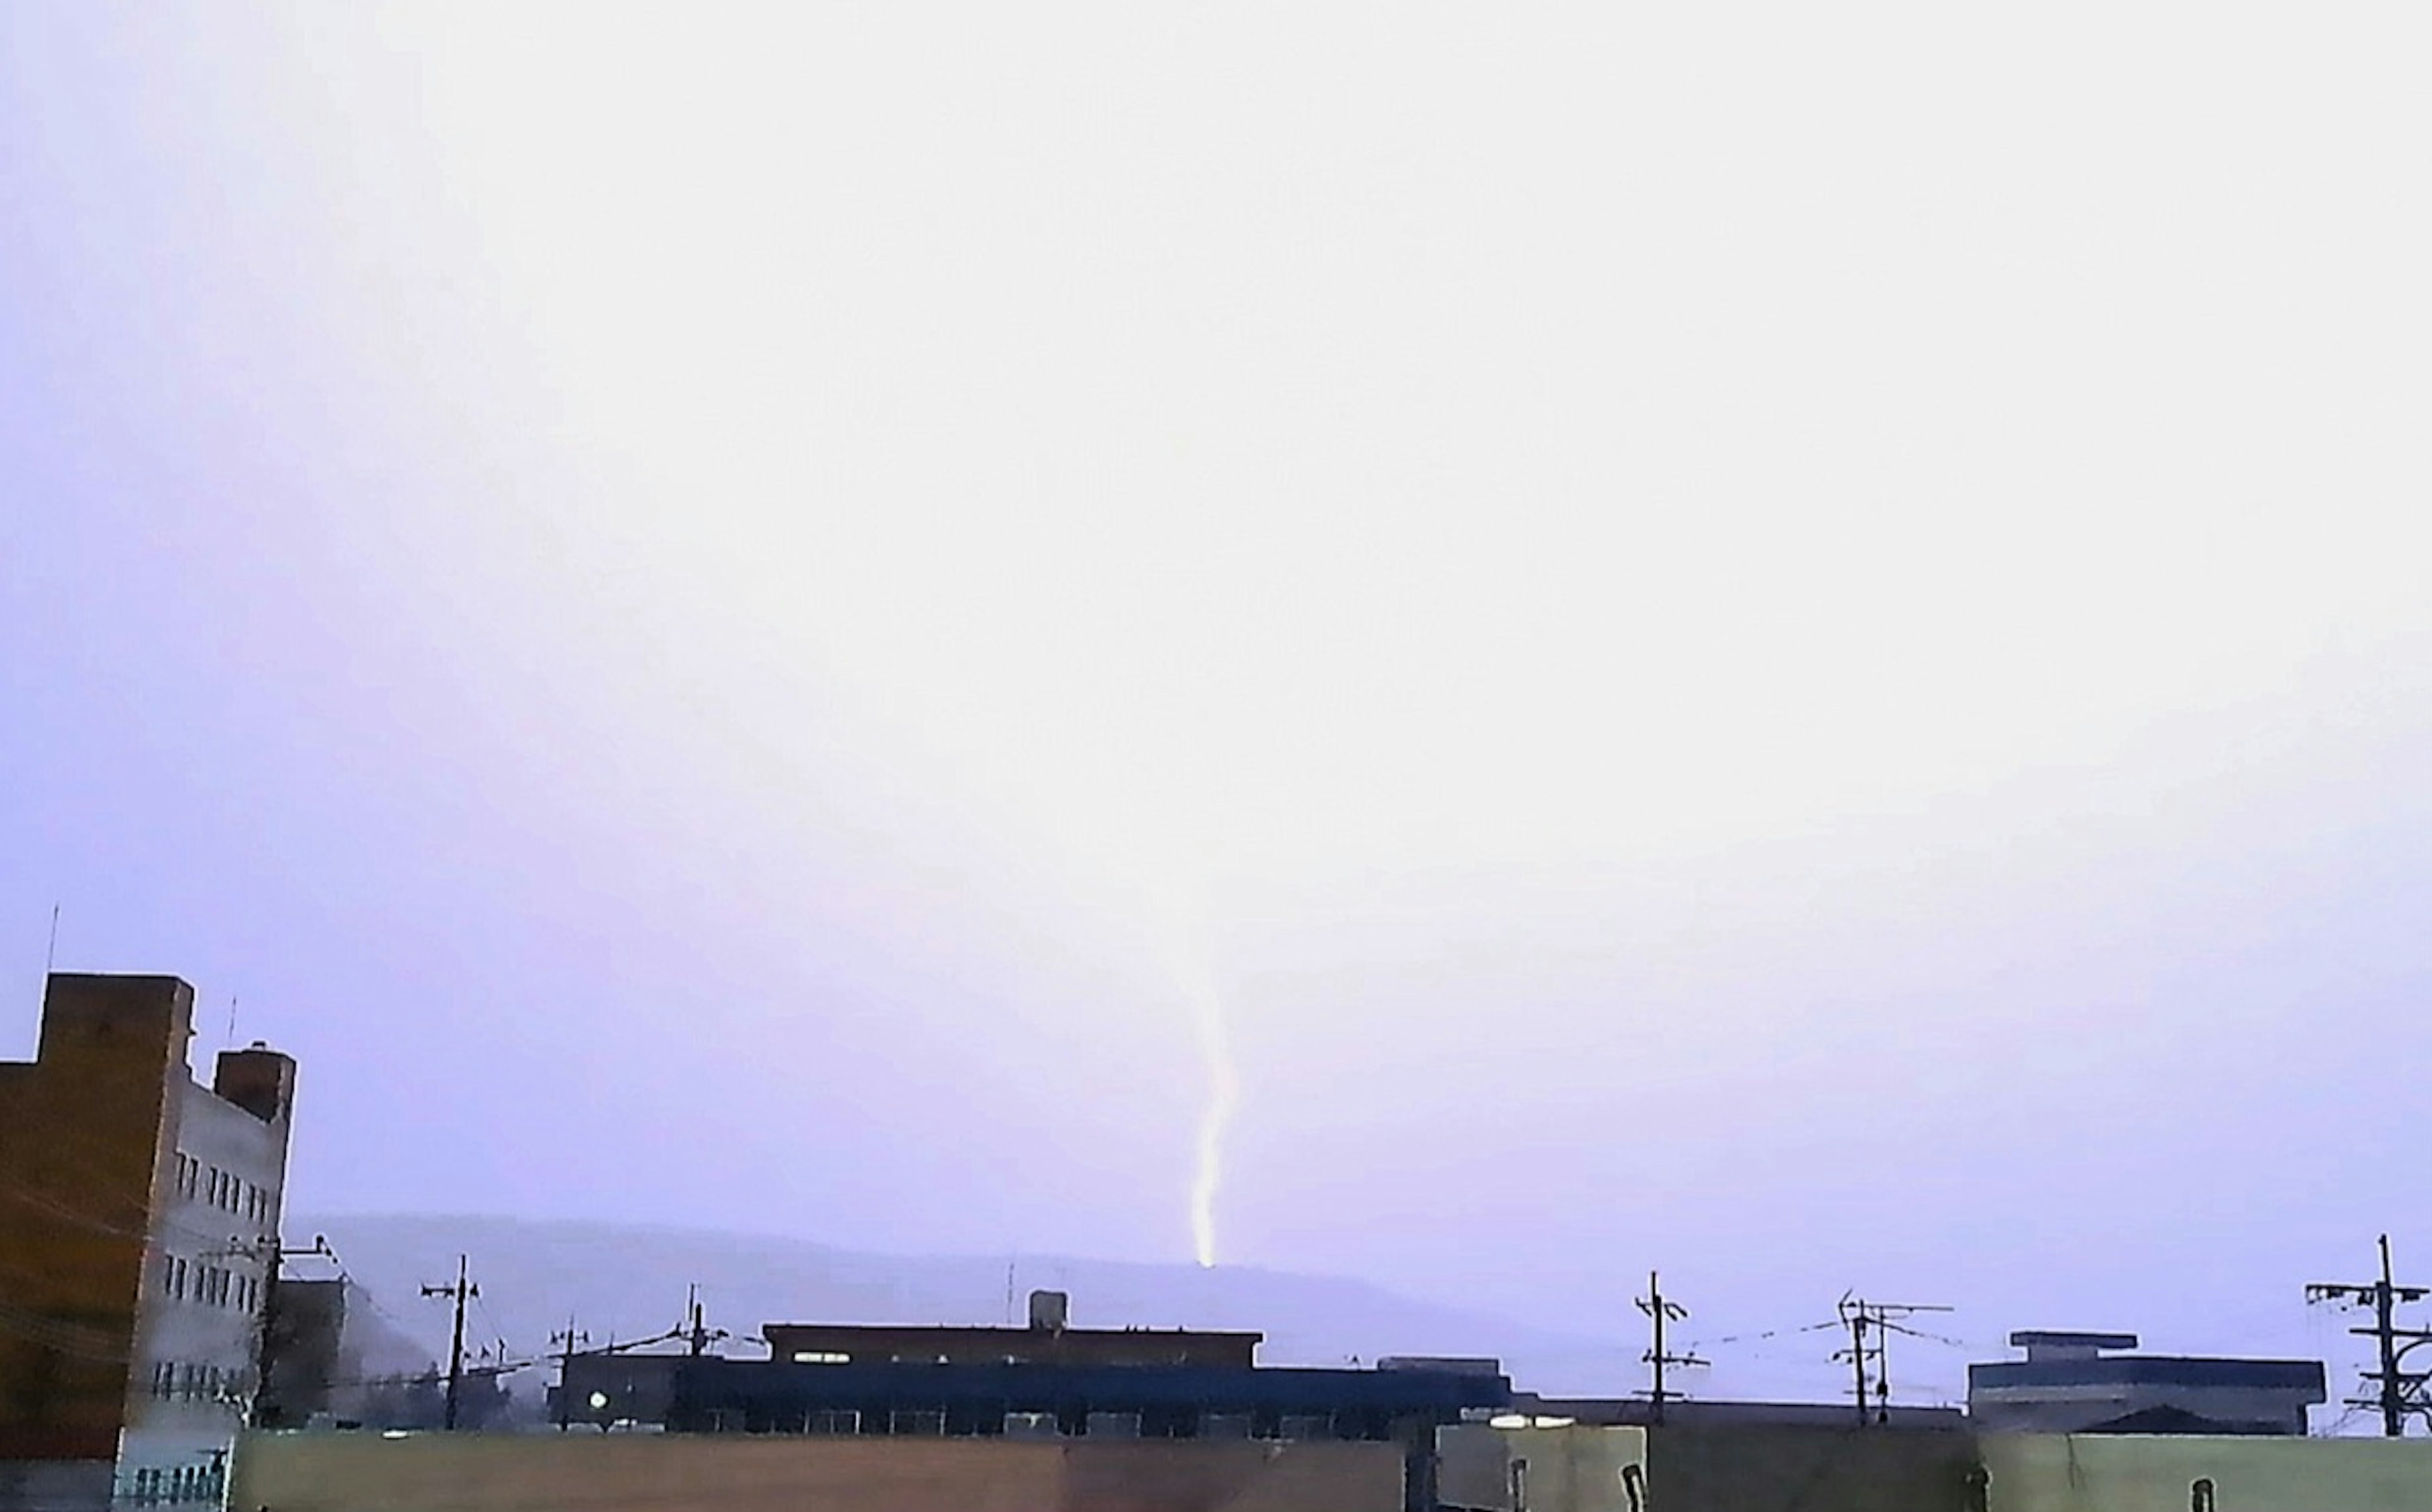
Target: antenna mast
[[1858, 1316]]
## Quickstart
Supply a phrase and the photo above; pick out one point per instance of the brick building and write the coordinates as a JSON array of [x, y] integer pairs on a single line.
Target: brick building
[[139, 1224]]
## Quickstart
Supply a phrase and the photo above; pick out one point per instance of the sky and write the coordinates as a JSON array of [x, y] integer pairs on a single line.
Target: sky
[[1788, 643]]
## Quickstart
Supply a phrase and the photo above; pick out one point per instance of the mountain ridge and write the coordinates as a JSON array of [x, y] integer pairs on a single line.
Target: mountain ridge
[[628, 1281]]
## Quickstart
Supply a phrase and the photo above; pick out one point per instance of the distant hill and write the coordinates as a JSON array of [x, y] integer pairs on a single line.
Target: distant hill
[[628, 1282]]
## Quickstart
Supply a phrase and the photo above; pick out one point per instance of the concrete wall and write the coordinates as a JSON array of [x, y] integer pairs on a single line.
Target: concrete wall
[[1739, 1469], [2103, 1473], [1564, 1469], [210, 1348], [481, 1472], [1863, 1470]]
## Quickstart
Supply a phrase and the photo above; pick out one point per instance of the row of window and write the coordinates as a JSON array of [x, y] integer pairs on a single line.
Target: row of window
[[173, 1381], [222, 1188], [186, 1483], [213, 1285]]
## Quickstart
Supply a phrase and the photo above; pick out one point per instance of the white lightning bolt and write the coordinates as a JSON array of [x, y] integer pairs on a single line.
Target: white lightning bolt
[[1223, 1091]]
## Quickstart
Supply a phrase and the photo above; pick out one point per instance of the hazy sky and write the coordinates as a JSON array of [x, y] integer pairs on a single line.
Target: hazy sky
[[1785, 641]]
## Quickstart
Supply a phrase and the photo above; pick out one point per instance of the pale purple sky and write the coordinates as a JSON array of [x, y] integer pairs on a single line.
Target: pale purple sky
[[1785, 641]]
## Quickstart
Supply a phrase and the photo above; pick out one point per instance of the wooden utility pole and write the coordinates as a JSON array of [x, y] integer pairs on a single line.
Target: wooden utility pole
[[1660, 1311], [2401, 1391], [463, 1291]]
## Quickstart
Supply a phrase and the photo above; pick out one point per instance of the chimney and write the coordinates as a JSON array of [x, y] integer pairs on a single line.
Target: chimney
[[258, 1079], [1049, 1311]]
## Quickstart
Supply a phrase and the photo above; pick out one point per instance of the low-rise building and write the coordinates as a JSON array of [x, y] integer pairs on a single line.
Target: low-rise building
[[2078, 1383]]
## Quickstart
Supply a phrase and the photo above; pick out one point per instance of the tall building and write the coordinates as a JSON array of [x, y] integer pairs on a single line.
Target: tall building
[[138, 1234]]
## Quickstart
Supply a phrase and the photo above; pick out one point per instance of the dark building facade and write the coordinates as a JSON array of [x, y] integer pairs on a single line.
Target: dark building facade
[[1086, 1402], [301, 1350], [2076, 1383], [858, 1344]]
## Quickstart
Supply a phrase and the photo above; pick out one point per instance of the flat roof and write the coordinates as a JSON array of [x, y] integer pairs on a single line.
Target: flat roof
[[2027, 1338], [2149, 1369], [1012, 1330]]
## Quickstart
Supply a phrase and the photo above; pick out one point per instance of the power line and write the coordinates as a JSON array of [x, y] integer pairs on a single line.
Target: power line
[[2401, 1391]]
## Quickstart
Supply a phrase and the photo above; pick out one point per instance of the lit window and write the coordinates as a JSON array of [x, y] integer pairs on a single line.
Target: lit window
[[820, 1358]]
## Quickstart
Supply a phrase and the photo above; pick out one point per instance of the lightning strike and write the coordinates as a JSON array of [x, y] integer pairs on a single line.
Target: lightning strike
[[1223, 1090]]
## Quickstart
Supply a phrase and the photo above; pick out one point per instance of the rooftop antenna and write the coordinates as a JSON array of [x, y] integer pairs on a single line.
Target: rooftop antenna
[[231, 1034], [1858, 1315], [51, 951], [1008, 1293]]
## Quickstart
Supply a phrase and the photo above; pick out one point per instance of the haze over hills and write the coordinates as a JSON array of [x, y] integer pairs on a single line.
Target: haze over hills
[[628, 1281]]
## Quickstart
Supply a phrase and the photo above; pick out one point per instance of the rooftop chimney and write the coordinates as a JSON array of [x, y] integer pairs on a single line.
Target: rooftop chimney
[[258, 1079]]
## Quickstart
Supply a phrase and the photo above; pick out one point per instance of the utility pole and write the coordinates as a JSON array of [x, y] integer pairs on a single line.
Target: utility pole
[[463, 1291], [2401, 1391], [571, 1338], [697, 1337], [1858, 1316], [1660, 1311]]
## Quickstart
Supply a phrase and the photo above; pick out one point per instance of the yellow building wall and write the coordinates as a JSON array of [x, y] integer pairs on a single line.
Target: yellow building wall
[[86, 1133], [674, 1472], [2054, 1472]]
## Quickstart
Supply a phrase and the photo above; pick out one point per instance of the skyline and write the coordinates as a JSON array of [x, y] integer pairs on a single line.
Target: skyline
[[1787, 648]]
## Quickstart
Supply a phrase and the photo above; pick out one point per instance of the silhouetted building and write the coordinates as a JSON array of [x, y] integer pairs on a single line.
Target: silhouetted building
[[2080, 1384], [1637, 1412], [138, 1223], [301, 1350], [1090, 1402], [860, 1344]]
